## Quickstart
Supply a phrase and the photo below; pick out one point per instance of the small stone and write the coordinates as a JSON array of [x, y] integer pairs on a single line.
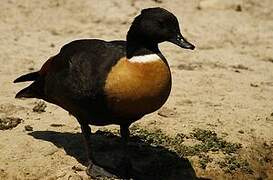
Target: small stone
[[166, 112], [238, 8], [39, 107], [78, 168], [57, 125], [158, 1], [9, 122], [254, 85], [240, 66], [241, 132], [28, 128], [269, 118], [189, 67]]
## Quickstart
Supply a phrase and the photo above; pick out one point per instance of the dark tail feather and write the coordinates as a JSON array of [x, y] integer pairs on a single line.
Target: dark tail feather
[[25, 93], [27, 77], [34, 90]]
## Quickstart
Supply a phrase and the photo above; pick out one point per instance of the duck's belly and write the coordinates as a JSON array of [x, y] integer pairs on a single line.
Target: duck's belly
[[136, 89]]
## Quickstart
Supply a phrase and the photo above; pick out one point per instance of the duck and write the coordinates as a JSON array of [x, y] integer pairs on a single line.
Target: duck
[[110, 82]]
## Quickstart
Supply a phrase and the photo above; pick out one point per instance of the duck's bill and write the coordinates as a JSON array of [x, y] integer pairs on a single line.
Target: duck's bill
[[182, 42]]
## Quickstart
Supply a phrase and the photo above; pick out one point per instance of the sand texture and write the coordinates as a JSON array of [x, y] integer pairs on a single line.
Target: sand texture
[[223, 89]]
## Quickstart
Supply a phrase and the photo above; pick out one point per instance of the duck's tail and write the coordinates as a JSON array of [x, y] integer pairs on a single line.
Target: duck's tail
[[27, 77], [25, 93], [34, 90]]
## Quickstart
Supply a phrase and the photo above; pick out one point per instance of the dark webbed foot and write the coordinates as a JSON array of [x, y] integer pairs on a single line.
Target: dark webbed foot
[[123, 167], [95, 171], [92, 170]]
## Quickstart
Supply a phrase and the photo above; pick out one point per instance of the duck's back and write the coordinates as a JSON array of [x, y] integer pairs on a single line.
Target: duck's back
[[76, 76]]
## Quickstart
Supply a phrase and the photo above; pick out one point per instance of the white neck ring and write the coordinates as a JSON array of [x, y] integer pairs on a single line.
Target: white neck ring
[[145, 58]]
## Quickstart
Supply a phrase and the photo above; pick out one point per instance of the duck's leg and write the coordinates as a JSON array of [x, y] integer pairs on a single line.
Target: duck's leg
[[92, 170], [126, 163]]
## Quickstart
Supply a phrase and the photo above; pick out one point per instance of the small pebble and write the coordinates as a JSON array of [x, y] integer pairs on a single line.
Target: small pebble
[[254, 85], [269, 118], [78, 168], [158, 1], [28, 128], [57, 125], [166, 112], [39, 107], [240, 66], [9, 122], [238, 8]]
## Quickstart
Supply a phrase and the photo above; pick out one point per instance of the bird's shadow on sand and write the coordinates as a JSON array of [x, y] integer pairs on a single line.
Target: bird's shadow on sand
[[148, 162]]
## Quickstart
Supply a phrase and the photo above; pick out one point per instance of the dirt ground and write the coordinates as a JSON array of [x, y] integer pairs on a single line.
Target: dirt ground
[[225, 85]]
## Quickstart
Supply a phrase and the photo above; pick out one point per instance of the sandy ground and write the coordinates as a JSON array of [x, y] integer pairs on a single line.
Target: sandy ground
[[225, 85]]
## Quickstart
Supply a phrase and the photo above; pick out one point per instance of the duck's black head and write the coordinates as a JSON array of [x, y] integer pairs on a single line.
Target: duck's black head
[[156, 25]]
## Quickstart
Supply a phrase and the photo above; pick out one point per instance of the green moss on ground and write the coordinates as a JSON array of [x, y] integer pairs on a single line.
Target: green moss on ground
[[208, 141], [232, 163]]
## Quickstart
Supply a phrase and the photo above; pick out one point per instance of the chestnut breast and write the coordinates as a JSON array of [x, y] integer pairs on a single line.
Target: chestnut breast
[[135, 88]]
